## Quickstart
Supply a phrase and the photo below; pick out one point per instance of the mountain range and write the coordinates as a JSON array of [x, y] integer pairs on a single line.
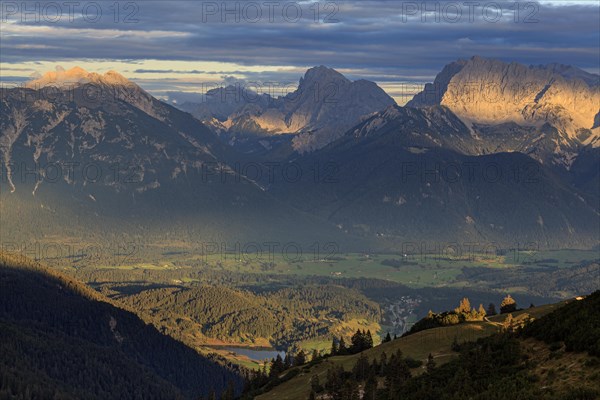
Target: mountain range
[[85, 156], [490, 152]]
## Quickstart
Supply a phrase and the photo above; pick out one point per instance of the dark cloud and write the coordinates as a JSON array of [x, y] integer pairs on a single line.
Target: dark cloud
[[378, 37], [11, 79]]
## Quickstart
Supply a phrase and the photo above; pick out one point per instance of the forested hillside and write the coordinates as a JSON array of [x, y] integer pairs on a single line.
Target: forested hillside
[[277, 317], [212, 305], [62, 340]]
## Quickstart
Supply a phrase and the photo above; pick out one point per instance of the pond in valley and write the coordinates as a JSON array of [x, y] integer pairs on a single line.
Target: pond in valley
[[256, 354]]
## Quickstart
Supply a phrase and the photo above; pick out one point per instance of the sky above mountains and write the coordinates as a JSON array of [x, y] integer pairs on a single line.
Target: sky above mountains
[[190, 46]]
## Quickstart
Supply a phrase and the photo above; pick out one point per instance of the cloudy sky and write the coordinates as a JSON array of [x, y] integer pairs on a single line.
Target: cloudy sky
[[186, 46]]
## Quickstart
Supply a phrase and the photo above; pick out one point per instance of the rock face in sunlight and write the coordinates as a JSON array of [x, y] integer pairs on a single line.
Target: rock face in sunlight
[[76, 76], [98, 88], [320, 110], [546, 101]]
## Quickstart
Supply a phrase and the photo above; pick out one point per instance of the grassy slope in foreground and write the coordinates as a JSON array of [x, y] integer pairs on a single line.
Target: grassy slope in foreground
[[437, 341]]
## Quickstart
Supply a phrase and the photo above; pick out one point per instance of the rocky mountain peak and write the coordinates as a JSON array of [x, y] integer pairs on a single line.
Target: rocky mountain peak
[[489, 91], [324, 106], [77, 76], [106, 89], [323, 75]]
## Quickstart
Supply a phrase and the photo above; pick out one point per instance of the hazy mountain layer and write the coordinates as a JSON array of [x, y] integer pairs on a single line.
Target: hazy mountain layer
[[102, 156], [405, 176]]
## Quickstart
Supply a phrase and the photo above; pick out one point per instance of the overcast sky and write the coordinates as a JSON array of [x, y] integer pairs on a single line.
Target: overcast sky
[[189, 45]]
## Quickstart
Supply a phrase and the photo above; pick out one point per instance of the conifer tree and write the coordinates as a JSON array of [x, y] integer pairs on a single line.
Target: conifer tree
[[370, 389], [300, 358], [508, 305], [349, 390], [396, 374], [430, 363], [368, 340], [464, 307], [277, 366], [482, 312], [455, 346], [287, 362], [382, 363], [357, 342], [334, 347], [361, 368], [342, 349], [315, 384], [315, 355]]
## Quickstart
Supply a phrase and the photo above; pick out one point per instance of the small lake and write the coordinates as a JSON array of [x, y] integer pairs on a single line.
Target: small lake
[[255, 354]]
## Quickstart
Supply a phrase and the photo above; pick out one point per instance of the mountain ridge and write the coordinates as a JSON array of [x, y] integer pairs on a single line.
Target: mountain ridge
[[96, 161], [76, 76]]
